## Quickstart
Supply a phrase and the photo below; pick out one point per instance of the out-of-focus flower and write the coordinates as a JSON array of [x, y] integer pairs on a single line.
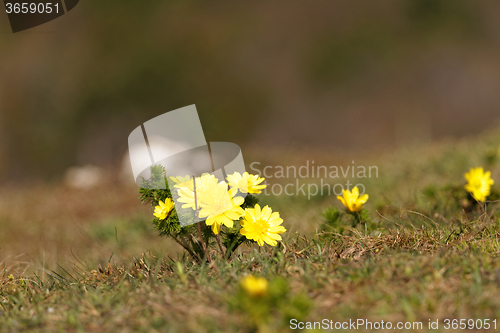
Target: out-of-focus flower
[[246, 183], [163, 209], [478, 183], [352, 201], [254, 286], [262, 225], [219, 206]]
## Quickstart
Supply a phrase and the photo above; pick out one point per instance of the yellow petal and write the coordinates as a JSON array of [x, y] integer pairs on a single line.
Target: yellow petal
[[362, 199], [355, 191]]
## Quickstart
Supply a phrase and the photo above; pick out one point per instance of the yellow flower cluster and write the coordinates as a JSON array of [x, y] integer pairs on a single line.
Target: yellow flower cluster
[[215, 202], [479, 183], [218, 203]]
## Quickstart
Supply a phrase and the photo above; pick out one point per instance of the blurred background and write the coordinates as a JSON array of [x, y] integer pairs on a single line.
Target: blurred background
[[333, 75], [325, 78]]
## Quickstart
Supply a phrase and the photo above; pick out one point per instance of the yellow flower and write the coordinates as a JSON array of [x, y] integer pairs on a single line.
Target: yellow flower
[[219, 206], [164, 209], [262, 225], [180, 180], [478, 183], [254, 286], [186, 190], [352, 201], [216, 203], [246, 183]]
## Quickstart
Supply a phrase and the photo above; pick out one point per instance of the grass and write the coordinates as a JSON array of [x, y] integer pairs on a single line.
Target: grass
[[429, 253]]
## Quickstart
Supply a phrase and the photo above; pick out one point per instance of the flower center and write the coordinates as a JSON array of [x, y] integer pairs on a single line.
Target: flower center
[[261, 226], [220, 205], [478, 184]]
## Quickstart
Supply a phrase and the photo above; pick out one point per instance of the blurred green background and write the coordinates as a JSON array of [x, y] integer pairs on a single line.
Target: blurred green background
[[352, 76]]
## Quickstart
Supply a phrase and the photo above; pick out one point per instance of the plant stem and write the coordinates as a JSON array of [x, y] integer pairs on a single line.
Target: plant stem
[[201, 238], [205, 250], [205, 254], [185, 247], [217, 237]]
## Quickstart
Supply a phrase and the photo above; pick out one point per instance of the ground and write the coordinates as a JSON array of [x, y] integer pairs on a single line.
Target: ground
[[91, 260]]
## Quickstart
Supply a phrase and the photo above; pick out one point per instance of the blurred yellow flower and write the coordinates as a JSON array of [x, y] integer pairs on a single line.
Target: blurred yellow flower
[[478, 183], [352, 201], [262, 225], [219, 205], [254, 286], [163, 209], [246, 183]]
